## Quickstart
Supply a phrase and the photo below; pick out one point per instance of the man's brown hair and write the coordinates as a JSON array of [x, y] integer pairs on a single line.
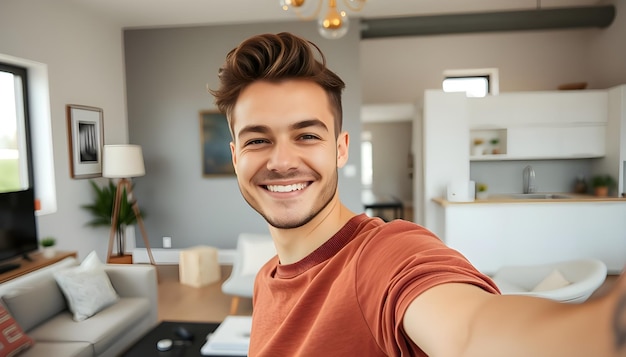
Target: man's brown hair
[[275, 57]]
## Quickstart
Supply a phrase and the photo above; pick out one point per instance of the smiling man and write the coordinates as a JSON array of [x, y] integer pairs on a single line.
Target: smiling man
[[344, 284]]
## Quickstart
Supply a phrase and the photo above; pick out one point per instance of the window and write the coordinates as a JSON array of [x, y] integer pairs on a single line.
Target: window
[[474, 82], [15, 151], [33, 126], [472, 86]]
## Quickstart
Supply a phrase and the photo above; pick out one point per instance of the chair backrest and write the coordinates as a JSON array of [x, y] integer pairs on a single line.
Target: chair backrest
[[253, 250], [584, 276]]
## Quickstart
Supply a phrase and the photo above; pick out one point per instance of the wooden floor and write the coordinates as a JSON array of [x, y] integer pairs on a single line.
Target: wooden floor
[[178, 302]]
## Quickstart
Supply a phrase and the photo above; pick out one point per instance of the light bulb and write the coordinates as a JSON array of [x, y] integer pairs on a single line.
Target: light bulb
[[334, 24], [287, 4]]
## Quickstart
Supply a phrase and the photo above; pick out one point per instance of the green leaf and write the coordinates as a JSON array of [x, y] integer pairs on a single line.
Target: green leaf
[[101, 208]]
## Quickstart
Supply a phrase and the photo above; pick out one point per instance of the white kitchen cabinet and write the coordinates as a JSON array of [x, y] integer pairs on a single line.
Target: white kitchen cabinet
[[550, 142], [538, 108], [542, 125]]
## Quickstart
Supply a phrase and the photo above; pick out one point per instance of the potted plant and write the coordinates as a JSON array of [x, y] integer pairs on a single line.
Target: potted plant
[[48, 247], [102, 211], [478, 147], [494, 143], [602, 184], [481, 191]]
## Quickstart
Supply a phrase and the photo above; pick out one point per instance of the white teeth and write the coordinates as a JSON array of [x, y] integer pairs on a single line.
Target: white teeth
[[288, 188]]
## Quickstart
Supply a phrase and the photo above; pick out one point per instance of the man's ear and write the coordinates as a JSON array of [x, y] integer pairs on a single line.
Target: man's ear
[[233, 155], [343, 143]]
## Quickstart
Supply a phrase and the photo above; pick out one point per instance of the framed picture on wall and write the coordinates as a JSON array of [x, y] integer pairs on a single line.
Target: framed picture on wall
[[86, 140], [215, 138]]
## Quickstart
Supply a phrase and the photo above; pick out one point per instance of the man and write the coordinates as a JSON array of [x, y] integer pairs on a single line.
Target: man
[[348, 285]]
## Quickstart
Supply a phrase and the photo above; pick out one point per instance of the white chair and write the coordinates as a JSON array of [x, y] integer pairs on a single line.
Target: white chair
[[253, 250], [568, 281]]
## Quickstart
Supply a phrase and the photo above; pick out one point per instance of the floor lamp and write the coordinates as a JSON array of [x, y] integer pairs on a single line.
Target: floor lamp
[[124, 162]]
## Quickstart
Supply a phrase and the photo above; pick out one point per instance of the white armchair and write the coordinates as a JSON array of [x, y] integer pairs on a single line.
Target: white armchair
[[253, 250], [567, 281]]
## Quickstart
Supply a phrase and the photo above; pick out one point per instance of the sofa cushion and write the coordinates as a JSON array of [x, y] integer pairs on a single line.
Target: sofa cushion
[[87, 287], [102, 330], [59, 349], [13, 340], [33, 303]]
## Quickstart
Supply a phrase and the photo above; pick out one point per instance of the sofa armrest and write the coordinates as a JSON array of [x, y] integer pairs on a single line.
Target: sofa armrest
[[135, 280]]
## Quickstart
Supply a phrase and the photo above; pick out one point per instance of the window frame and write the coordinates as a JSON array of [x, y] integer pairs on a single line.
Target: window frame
[[23, 74], [491, 74]]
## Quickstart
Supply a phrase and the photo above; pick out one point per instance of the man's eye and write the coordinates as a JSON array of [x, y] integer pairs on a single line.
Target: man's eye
[[309, 137], [256, 142]]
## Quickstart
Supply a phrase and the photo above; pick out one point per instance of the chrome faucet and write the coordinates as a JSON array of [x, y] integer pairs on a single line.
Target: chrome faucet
[[529, 179]]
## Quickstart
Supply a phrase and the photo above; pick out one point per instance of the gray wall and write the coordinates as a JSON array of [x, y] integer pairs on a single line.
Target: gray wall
[[167, 72]]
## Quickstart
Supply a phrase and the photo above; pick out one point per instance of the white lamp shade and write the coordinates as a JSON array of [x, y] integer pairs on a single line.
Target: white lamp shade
[[122, 161]]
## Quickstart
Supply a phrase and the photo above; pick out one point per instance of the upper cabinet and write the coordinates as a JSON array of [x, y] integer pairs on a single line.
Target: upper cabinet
[[538, 125]]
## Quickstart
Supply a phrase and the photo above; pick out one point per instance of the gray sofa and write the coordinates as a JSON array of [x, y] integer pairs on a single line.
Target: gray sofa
[[37, 304]]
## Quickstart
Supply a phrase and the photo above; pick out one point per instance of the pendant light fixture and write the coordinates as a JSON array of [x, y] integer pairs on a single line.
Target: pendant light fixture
[[332, 23]]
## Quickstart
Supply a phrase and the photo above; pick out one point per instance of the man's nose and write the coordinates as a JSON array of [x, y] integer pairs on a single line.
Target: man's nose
[[284, 157]]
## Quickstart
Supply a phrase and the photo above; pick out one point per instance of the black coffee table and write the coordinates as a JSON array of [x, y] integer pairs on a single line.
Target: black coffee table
[[146, 346]]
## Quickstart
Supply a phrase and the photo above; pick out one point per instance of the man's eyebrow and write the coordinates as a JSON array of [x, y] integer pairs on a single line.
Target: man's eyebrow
[[308, 123], [262, 129]]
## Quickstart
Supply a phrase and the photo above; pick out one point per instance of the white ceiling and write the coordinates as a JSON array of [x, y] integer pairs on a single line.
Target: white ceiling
[[165, 13]]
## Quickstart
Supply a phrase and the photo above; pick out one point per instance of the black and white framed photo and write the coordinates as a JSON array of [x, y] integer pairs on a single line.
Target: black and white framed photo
[[86, 140]]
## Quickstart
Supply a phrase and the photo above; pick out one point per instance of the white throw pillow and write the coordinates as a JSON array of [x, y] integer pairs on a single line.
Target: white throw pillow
[[87, 287], [554, 280]]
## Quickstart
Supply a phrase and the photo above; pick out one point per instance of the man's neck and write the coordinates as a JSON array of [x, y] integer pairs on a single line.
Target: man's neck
[[294, 244]]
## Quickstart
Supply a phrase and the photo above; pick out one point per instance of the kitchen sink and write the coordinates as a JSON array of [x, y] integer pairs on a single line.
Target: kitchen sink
[[539, 196]]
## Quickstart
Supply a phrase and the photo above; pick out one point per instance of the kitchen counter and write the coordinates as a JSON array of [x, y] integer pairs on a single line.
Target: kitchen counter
[[506, 198], [502, 230]]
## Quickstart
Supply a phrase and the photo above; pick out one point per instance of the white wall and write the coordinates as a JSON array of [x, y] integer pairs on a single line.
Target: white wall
[[84, 56]]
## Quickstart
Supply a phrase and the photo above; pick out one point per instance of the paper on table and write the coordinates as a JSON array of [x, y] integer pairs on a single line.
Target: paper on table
[[232, 337]]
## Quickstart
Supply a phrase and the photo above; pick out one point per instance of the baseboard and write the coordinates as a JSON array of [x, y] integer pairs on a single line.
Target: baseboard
[[170, 256]]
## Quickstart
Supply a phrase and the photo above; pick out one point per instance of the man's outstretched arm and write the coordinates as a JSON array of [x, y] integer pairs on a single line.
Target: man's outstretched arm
[[461, 320]]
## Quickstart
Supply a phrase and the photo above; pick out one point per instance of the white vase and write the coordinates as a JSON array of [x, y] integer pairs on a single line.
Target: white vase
[[49, 252], [478, 150], [482, 195]]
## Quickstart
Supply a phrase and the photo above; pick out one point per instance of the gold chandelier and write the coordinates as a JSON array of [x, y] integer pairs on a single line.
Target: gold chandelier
[[332, 23]]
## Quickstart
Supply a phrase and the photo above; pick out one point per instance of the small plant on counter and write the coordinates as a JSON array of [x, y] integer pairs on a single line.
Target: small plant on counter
[[481, 191], [478, 141], [602, 184]]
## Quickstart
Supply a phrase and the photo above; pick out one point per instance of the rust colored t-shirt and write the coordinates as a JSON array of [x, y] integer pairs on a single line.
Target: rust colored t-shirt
[[349, 296]]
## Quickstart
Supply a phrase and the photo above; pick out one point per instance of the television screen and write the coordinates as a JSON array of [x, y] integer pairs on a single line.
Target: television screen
[[18, 226]]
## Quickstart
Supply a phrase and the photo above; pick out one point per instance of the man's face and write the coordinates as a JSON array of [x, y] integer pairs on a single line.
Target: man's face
[[285, 152]]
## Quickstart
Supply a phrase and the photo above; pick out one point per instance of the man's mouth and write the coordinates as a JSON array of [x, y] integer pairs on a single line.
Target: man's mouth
[[287, 188]]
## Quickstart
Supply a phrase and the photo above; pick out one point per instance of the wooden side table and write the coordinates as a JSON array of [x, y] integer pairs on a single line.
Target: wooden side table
[[37, 261]]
